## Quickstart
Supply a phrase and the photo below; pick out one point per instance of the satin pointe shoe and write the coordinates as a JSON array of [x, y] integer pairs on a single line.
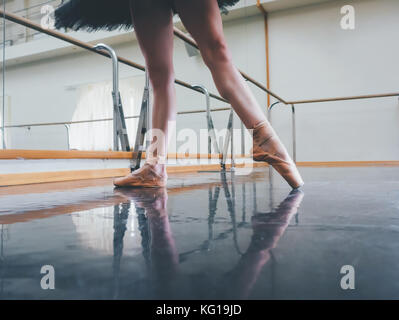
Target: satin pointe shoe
[[267, 147], [149, 176]]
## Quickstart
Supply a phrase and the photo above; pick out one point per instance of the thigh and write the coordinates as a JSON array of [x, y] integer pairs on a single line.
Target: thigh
[[203, 21], [153, 25]]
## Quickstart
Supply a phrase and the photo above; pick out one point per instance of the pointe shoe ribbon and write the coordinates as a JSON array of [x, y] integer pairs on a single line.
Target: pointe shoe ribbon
[[146, 176], [267, 147]]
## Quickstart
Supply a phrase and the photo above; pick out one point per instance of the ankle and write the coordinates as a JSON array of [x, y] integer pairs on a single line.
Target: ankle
[[159, 168], [260, 125]]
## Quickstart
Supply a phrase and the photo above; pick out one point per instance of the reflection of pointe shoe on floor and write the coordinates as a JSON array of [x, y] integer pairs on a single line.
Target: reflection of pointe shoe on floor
[[141, 194], [282, 213], [155, 198], [148, 175], [267, 147], [269, 227], [293, 200]]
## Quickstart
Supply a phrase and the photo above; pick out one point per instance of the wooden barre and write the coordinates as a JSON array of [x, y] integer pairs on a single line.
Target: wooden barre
[[190, 41], [184, 37], [370, 96], [9, 154], [100, 120], [56, 34]]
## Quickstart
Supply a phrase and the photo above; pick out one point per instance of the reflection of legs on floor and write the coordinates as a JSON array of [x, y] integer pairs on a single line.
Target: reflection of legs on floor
[[160, 249], [121, 215], [145, 235], [268, 229], [162, 256]]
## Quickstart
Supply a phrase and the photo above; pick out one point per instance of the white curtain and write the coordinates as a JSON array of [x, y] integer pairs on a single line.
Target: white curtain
[[95, 102]]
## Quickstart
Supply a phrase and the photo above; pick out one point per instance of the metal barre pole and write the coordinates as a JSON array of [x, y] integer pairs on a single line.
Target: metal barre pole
[[68, 142], [211, 128], [3, 111], [242, 139], [190, 41], [115, 87], [115, 65], [293, 133], [100, 120], [269, 111], [233, 164], [29, 24], [149, 109], [370, 96]]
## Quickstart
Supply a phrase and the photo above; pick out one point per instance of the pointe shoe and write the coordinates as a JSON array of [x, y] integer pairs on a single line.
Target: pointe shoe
[[147, 176], [267, 147]]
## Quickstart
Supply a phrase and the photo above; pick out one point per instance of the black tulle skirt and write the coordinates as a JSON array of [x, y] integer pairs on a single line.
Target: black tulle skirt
[[92, 15]]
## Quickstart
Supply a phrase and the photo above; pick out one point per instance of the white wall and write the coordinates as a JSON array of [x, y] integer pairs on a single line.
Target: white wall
[[311, 57], [46, 90]]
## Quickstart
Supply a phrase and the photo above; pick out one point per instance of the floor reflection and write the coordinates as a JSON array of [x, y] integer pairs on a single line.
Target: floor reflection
[[213, 236], [268, 228], [159, 248]]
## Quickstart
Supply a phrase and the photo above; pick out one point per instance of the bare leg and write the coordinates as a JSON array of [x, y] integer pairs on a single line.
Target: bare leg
[[153, 24], [164, 260], [203, 20], [152, 20]]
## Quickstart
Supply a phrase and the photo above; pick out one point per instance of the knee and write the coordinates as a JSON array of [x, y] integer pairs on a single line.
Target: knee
[[216, 53], [161, 76]]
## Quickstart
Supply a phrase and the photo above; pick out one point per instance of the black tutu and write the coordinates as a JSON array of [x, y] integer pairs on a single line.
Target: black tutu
[[92, 15]]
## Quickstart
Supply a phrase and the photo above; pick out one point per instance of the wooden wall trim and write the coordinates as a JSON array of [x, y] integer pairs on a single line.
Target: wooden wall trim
[[15, 179], [77, 154], [18, 179], [390, 163], [60, 154]]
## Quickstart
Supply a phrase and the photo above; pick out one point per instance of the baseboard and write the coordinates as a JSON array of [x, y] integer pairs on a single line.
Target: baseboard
[[60, 154], [17, 179]]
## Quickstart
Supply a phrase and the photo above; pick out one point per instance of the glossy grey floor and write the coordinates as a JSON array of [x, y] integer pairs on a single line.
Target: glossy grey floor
[[208, 236]]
